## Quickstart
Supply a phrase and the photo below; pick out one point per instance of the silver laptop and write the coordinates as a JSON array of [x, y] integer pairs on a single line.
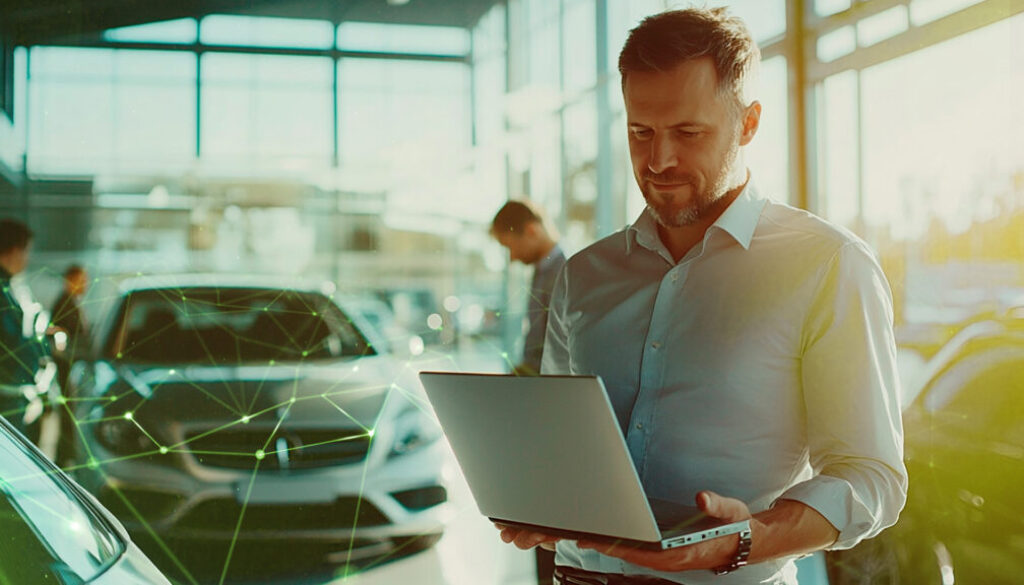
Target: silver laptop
[[545, 453]]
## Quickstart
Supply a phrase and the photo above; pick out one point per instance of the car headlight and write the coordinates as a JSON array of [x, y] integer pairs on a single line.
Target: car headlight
[[413, 429]]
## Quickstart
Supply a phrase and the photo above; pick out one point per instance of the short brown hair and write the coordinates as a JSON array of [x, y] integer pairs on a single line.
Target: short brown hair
[[13, 235], [73, 271], [513, 218], [663, 41]]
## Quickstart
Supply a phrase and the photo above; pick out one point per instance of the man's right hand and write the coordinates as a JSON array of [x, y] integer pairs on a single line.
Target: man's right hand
[[524, 539]]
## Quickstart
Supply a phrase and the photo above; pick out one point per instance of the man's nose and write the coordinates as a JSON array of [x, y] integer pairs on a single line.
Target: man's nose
[[663, 154]]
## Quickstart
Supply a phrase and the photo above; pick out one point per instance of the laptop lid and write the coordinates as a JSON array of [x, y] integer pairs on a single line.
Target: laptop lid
[[543, 451]]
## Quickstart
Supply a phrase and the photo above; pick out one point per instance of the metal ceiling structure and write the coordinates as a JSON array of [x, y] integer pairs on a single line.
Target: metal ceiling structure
[[34, 22]]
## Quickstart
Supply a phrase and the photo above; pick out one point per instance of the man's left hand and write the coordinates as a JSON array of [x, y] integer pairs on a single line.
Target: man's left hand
[[704, 555]]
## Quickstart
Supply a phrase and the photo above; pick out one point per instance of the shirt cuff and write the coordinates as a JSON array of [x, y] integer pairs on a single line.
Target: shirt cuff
[[836, 500]]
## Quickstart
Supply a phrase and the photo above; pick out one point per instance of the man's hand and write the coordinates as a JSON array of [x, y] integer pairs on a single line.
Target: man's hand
[[524, 539], [703, 555]]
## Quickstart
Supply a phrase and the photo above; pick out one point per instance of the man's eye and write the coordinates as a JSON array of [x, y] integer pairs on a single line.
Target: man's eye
[[641, 133], [688, 133]]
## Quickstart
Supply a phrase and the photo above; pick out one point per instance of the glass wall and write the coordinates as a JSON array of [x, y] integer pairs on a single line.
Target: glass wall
[[266, 114], [102, 111], [920, 155]]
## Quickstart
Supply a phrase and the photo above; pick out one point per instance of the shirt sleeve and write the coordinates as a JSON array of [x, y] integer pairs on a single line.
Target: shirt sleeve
[[556, 340], [537, 319], [851, 396]]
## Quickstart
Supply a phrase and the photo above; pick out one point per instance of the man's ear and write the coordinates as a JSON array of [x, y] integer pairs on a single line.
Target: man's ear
[[533, 229], [751, 122]]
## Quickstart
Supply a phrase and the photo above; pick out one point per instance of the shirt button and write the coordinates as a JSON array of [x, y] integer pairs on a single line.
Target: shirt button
[[675, 276], [639, 426], [656, 344]]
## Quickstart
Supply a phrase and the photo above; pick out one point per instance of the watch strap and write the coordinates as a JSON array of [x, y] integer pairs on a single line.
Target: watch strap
[[742, 552]]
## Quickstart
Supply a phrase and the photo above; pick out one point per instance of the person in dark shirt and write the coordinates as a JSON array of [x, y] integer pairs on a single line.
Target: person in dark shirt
[[21, 349], [519, 228], [71, 343]]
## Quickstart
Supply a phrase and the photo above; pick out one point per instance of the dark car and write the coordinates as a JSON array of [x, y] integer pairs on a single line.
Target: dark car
[[227, 415], [964, 518], [53, 531]]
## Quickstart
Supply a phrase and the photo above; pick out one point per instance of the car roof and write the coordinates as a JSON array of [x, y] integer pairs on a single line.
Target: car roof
[[972, 339]]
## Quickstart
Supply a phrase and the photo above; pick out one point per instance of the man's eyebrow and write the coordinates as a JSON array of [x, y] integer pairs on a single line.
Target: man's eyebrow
[[677, 126]]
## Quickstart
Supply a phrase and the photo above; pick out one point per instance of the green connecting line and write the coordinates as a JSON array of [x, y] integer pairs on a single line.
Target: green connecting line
[[252, 480]]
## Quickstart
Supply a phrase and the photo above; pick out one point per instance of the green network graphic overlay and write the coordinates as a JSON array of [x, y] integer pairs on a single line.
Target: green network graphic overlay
[[238, 355]]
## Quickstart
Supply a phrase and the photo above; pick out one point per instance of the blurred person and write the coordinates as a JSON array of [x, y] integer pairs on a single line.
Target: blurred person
[[747, 347], [71, 342], [21, 349], [519, 227]]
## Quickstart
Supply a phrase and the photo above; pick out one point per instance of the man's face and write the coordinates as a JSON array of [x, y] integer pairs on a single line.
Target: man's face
[[17, 259], [78, 283], [522, 247], [684, 137]]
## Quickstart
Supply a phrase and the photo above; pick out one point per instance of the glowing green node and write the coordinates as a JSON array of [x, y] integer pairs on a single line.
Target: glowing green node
[[504, 354], [244, 420], [305, 353], [292, 400], [113, 398], [314, 313], [61, 400], [74, 526], [128, 415], [371, 432], [171, 372], [163, 450], [118, 355], [260, 454], [93, 464], [271, 362]]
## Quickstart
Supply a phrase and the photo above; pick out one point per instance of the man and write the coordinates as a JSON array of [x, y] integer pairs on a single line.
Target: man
[[68, 317], [20, 348], [520, 228], [747, 346]]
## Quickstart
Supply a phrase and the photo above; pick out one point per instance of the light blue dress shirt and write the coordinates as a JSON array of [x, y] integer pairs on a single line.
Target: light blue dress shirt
[[761, 366]]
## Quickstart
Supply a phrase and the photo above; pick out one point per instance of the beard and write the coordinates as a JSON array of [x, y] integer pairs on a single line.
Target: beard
[[701, 200]]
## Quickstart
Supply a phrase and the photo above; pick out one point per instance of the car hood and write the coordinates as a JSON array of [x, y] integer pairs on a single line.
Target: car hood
[[347, 395]]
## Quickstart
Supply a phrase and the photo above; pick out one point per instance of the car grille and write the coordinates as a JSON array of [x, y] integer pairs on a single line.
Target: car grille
[[285, 450], [223, 513]]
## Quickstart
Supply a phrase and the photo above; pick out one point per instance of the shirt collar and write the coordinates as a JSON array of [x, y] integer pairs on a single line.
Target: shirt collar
[[548, 260], [739, 220]]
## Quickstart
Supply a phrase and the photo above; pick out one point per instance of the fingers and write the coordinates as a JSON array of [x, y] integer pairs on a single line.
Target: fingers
[[524, 539]]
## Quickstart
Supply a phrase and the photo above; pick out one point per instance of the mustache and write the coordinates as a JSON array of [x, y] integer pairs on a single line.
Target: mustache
[[666, 177]]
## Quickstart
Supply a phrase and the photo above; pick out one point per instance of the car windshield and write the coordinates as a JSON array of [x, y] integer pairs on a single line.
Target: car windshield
[[224, 326], [47, 533]]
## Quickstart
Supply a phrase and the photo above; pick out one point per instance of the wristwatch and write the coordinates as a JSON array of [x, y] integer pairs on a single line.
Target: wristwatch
[[742, 552]]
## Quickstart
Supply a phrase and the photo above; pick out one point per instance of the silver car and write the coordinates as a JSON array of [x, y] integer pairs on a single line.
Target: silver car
[[222, 415]]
